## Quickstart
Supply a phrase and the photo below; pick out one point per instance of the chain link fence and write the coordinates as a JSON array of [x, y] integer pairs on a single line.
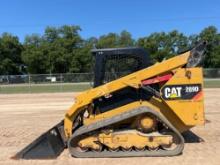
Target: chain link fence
[[46, 78], [38, 83], [212, 73], [69, 82]]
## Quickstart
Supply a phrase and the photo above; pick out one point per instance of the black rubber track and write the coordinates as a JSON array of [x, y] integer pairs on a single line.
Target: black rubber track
[[85, 131]]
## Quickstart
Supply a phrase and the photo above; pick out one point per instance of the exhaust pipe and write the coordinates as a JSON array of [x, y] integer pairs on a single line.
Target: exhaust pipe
[[196, 57]]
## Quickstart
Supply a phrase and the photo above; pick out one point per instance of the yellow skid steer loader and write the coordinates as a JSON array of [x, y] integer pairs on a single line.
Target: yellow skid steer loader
[[134, 108]]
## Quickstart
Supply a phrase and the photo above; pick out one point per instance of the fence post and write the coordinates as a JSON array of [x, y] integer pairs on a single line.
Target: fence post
[[29, 82], [8, 79], [61, 82]]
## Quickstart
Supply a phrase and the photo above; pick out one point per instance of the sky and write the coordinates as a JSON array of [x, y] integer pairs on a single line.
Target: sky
[[98, 17]]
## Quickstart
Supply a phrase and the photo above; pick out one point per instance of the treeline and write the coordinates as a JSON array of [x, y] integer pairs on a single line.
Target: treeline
[[63, 50]]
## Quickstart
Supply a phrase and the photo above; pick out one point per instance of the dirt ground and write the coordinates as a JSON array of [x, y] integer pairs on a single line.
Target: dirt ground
[[23, 117]]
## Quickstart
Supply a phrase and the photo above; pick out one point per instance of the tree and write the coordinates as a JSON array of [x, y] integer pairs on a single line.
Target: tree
[[34, 56], [82, 59], [54, 51], [10, 54], [125, 39], [111, 40], [163, 45], [212, 59], [51, 34], [114, 40], [63, 50]]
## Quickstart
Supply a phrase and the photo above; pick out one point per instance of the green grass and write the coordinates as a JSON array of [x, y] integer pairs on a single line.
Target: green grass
[[212, 83], [44, 88], [68, 87]]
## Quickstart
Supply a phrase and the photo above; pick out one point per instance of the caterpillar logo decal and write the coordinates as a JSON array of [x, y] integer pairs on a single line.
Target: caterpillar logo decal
[[183, 92]]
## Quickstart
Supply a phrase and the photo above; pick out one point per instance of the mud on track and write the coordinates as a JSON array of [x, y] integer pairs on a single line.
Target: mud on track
[[23, 117]]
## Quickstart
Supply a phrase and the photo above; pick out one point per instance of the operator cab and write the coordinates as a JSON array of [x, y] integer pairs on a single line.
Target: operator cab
[[113, 63]]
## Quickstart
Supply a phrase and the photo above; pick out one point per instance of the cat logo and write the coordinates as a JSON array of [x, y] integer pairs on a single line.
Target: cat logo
[[172, 92], [183, 91]]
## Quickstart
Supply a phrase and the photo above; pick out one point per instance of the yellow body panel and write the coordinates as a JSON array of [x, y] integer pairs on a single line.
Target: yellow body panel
[[117, 111], [191, 111], [159, 107]]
